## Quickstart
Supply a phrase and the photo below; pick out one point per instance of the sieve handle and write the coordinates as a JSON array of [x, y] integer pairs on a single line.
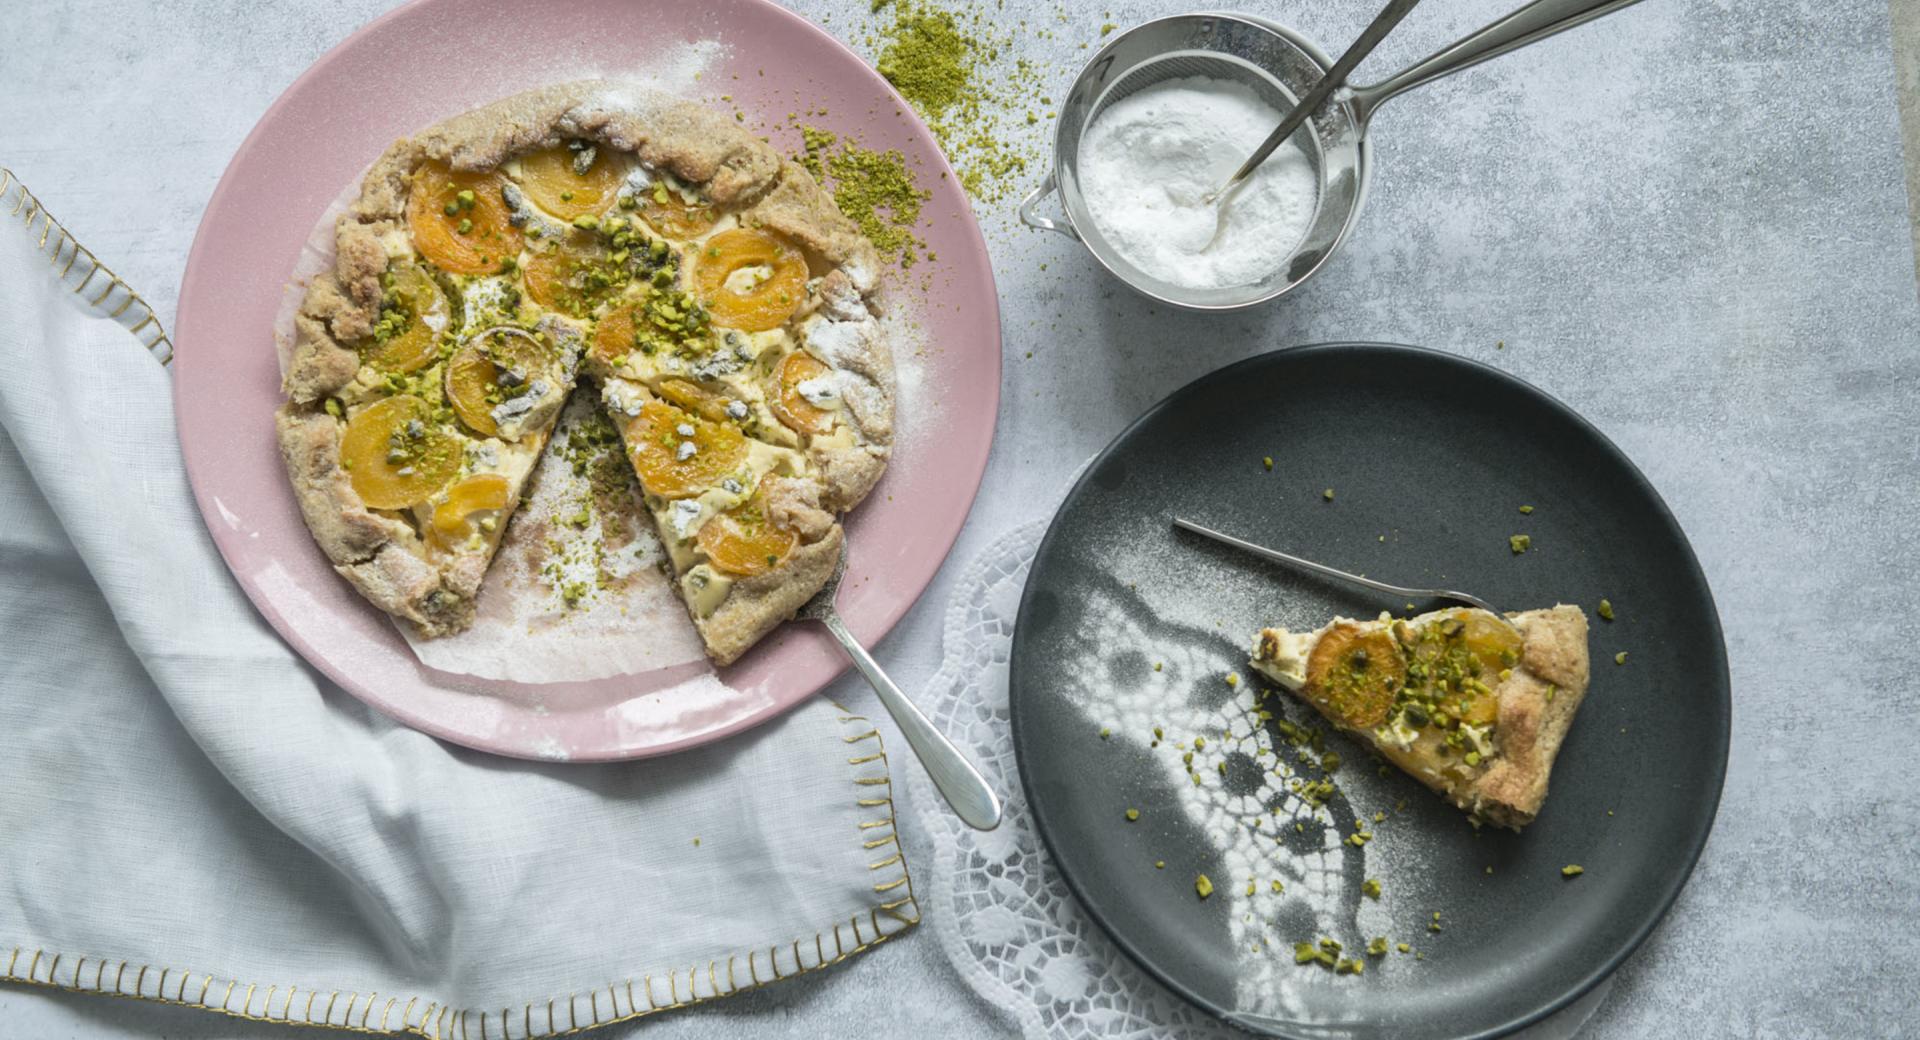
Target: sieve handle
[[1532, 23], [1032, 219]]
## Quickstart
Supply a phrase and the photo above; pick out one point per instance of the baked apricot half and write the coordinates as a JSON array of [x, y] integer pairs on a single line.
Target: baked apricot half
[[574, 277], [690, 396], [1354, 672], [673, 216], [560, 183], [789, 405], [452, 519], [458, 219], [474, 377], [750, 278], [396, 456], [677, 454], [420, 309], [744, 541]]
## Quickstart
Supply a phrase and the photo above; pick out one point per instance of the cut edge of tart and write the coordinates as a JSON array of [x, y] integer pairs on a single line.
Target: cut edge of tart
[[1472, 704], [711, 291]]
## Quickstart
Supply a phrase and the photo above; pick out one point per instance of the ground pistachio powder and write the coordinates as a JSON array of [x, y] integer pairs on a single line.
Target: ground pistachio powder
[[874, 189], [955, 68]]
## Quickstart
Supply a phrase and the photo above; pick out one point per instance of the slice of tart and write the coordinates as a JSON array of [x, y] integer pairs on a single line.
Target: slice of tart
[[755, 400], [1472, 704]]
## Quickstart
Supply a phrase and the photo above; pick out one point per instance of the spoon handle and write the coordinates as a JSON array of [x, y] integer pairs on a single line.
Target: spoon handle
[[1534, 22], [955, 777], [1370, 37]]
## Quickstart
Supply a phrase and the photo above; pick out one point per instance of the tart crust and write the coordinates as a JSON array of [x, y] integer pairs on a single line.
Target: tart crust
[[382, 552]]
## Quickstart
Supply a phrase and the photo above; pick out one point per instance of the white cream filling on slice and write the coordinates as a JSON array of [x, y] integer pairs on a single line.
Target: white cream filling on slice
[[1287, 663]]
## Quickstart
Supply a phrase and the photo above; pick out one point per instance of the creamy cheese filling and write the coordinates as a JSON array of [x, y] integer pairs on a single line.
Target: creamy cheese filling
[[1285, 660]]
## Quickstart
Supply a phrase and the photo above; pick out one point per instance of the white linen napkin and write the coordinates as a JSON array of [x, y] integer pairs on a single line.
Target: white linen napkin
[[193, 815]]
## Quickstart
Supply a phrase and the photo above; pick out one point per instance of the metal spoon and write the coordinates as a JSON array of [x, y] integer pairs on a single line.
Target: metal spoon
[[1335, 78], [955, 777], [1330, 572]]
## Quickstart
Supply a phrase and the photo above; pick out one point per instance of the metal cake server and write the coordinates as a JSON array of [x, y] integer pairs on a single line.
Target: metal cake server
[[1330, 572], [955, 777]]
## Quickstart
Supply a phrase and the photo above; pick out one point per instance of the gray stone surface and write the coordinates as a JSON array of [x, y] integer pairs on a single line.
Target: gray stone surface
[[1689, 221]]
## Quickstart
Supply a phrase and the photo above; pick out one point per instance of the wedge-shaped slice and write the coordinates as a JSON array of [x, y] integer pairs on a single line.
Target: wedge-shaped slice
[[1471, 704], [408, 479], [741, 519]]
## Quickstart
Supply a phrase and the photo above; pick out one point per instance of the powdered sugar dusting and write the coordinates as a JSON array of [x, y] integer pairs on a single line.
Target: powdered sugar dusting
[[1165, 644], [675, 69]]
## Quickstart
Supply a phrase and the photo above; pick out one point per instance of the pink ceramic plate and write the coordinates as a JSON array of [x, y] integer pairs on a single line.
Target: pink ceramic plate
[[429, 60]]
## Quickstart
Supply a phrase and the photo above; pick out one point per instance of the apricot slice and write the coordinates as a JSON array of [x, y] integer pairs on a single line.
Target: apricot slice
[[574, 277], [792, 407], [612, 336], [420, 310], [1491, 639], [563, 186], [744, 541], [395, 456], [692, 397], [673, 216], [458, 219], [480, 492], [1354, 673], [750, 279], [474, 383], [657, 440]]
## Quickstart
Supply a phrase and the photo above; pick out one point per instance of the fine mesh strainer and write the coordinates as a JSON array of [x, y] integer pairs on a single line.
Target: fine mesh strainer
[[1280, 65]]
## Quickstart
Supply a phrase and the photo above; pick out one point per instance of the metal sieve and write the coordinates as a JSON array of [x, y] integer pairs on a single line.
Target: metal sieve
[[1280, 65]]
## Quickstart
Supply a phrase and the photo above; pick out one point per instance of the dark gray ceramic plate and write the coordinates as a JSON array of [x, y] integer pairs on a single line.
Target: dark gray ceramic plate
[[1127, 624]]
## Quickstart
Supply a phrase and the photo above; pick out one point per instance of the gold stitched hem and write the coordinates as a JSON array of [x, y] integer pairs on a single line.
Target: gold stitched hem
[[76, 268], [895, 910]]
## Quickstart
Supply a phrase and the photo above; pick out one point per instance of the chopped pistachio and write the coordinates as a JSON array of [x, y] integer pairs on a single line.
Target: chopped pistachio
[[1233, 678], [1350, 967], [1605, 610], [1572, 870], [1105, 732], [1327, 494], [466, 226], [1133, 814], [1402, 947], [1472, 758], [333, 407], [1378, 947], [1519, 543], [1304, 953], [1250, 888], [1267, 462], [1159, 864], [1526, 509], [1278, 887], [1203, 885], [1156, 666], [1370, 888], [1620, 658], [586, 222], [1199, 743]]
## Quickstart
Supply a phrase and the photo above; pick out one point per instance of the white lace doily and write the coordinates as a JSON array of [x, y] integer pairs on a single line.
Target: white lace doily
[[1002, 913]]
